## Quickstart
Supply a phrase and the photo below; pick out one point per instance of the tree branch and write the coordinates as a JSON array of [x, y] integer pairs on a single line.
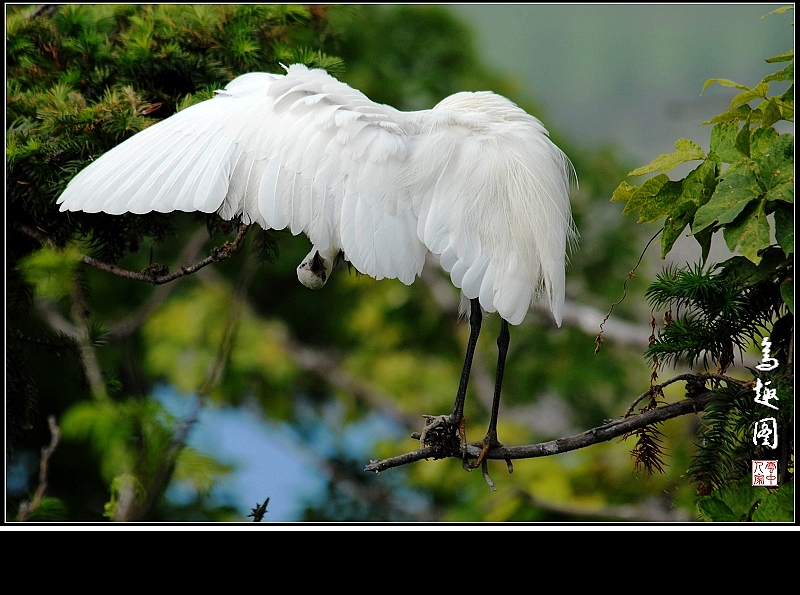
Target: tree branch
[[154, 275], [218, 254], [26, 509], [597, 435]]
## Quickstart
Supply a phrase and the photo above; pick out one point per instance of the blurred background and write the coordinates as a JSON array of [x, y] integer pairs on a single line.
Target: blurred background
[[316, 384]]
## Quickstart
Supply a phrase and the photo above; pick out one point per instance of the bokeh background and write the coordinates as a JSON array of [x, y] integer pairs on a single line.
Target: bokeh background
[[318, 383]]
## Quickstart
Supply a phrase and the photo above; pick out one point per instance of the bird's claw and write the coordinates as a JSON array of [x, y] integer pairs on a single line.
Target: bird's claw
[[439, 433]]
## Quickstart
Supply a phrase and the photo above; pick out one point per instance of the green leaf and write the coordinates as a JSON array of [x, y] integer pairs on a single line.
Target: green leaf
[[742, 143], [647, 191], [777, 507], [758, 92], [723, 141], [731, 196], [686, 150], [733, 503], [784, 228], [675, 224], [662, 203], [624, 192], [783, 192], [704, 239], [787, 294], [747, 274], [724, 83], [713, 509], [776, 165], [760, 140], [750, 231], [700, 183]]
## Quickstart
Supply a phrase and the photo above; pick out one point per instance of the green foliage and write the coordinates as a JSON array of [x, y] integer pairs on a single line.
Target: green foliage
[[742, 502], [50, 510], [83, 78], [758, 180], [745, 180], [51, 272], [712, 314]]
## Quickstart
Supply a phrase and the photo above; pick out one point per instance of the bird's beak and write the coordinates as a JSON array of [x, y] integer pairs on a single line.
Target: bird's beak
[[318, 266]]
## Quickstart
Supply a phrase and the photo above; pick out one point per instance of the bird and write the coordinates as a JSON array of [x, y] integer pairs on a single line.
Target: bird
[[475, 180]]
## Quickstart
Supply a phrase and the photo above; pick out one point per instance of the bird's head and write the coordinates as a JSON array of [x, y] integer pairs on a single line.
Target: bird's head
[[314, 271]]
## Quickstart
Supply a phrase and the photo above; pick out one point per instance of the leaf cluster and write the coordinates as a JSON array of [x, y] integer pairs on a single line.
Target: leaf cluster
[[744, 187], [710, 314], [725, 445], [747, 175], [84, 78]]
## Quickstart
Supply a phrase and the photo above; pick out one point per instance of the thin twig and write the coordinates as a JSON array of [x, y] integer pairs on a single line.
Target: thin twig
[[218, 254], [599, 338], [26, 509]]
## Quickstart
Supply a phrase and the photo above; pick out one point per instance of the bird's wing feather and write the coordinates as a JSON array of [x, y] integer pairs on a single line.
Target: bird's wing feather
[[302, 151], [475, 180]]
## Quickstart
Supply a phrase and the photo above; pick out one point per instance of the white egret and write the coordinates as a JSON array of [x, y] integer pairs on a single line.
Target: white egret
[[476, 181]]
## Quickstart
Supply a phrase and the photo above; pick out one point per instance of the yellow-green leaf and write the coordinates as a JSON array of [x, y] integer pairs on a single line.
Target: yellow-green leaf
[[758, 92], [736, 114], [50, 271], [785, 57], [649, 189], [787, 74], [662, 203], [686, 150], [624, 192], [724, 83]]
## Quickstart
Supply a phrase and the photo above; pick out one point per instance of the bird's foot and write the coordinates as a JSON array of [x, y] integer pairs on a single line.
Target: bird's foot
[[486, 445], [442, 434]]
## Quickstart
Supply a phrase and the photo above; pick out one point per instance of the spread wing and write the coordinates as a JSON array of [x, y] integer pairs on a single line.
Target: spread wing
[[302, 151], [475, 180]]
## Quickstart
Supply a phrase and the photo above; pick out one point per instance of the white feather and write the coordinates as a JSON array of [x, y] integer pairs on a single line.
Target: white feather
[[475, 180]]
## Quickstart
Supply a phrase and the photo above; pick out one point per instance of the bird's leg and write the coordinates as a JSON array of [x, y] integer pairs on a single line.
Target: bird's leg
[[491, 440], [438, 427], [457, 416]]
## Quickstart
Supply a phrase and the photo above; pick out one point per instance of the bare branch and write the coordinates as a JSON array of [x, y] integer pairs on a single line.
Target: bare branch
[[218, 254], [597, 435], [26, 509]]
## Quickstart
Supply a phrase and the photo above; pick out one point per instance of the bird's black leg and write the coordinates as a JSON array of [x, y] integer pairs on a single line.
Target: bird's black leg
[[491, 434], [474, 330], [434, 423]]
